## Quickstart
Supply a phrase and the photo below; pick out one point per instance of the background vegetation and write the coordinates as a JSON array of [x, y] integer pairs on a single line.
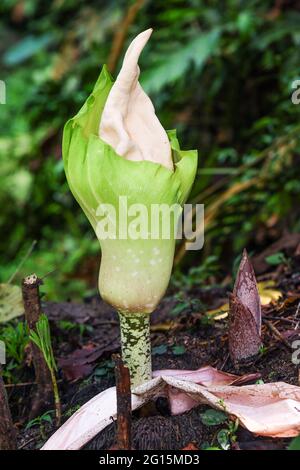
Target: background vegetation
[[221, 72]]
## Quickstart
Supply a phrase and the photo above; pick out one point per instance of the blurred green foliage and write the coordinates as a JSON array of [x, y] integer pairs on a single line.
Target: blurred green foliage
[[16, 338], [221, 72]]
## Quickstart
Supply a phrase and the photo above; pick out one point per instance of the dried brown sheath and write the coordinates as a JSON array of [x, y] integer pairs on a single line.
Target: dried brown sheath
[[244, 329]]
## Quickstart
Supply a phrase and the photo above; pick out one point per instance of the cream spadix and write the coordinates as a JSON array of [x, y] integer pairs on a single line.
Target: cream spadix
[[129, 123], [117, 153]]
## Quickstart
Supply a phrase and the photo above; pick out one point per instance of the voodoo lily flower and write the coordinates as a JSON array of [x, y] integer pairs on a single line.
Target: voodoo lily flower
[[244, 333], [120, 164]]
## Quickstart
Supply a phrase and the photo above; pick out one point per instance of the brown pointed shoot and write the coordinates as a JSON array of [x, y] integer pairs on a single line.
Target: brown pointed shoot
[[244, 331]]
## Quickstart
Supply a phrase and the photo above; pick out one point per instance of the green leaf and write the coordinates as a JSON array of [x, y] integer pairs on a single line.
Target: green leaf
[[223, 439], [32, 423], [42, 338], [259, 382], [213, 417], [178, 350], [175, 65], [159, 350], [178, 308], [26, 48], [11, 303], [47, 418], [276, 259], [245, 22], [100, 372], [295, 444], [18, 185]]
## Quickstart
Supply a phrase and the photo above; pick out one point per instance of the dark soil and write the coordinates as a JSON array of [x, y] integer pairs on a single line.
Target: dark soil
[[203, 341]]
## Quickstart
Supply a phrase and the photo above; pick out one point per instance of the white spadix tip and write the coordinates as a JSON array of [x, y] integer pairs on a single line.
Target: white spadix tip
[[142, 38]]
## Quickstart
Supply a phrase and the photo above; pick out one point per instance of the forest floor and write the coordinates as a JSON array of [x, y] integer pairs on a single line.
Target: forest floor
[[187, 333]]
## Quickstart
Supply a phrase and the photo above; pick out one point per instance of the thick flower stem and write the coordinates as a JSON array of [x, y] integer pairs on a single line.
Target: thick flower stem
[[136, 347]]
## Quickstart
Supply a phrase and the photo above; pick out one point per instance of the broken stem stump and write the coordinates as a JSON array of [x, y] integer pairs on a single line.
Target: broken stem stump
[[123, 391], [7, 430], [32, 307]]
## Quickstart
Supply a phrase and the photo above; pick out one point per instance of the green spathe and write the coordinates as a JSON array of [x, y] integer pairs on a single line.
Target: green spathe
[[134, 273]]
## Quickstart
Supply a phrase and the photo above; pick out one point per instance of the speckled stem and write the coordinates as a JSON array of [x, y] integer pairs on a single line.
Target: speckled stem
[[136, 347]]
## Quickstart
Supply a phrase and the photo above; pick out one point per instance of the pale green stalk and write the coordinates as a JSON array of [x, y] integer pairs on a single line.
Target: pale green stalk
[[136, 346]]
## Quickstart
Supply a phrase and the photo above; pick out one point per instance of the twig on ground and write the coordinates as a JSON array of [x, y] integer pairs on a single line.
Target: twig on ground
[[296, 316], [282, 319], [224, 362], [278, 335], [123, 404], [20, 384], [32, 306], [26, 443]]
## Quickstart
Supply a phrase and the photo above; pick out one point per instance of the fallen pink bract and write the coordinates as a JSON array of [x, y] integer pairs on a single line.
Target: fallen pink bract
[[181, 402], [271, 409], [266, 409], [207, 376]]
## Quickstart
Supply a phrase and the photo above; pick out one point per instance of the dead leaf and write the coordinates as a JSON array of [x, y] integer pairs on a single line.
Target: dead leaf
[[190, 446], [288, 302], [81, 362], [166, 326], [11, 303], [267, 292], [219, 313]]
